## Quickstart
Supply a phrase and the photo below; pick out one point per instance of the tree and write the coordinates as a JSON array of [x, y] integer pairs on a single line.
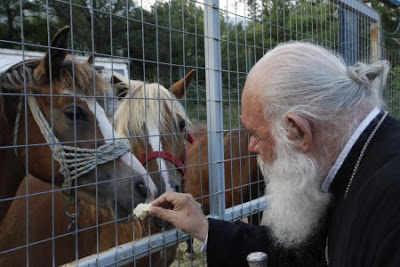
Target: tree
[[167, 40]]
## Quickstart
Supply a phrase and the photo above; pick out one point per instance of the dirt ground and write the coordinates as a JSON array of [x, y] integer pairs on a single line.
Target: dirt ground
[[185, 259], [198, 258]]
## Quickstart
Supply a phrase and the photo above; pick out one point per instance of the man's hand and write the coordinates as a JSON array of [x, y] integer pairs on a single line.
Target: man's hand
[[185, 214]]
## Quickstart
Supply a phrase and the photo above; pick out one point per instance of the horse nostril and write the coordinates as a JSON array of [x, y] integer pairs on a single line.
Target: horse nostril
[[177, 188], [142, 188]]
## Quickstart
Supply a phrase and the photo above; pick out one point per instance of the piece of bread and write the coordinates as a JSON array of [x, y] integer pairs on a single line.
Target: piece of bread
[[141, 211]]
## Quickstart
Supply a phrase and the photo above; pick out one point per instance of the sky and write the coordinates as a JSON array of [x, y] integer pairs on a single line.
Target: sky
[[228, 5]]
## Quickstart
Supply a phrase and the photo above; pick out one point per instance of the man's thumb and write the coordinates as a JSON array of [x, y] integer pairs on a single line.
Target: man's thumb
[[165, 214]]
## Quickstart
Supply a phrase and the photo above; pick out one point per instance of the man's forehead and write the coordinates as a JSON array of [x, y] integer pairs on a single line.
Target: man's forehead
[[251, 101], [248, 120]]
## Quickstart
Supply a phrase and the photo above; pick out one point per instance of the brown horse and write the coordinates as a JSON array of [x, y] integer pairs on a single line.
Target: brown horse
[[243, 181], [53, 128], [241, 172], [47, 222]]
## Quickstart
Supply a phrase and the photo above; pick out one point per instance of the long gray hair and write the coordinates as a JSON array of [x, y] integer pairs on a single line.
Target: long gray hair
[[315, 83]]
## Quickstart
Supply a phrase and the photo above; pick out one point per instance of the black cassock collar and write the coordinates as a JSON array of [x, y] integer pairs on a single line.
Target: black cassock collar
[[342, 177]]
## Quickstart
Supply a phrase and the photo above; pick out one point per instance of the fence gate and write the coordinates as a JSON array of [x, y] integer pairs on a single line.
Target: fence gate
[[89, 130]]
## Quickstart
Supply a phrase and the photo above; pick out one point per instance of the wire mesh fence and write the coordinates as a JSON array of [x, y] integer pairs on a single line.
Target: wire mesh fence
[[106, 113]]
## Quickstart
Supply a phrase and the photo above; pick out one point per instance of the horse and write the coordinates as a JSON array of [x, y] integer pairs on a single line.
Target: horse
[[163, 155], [161, 137], [53, 128], [243, 181]]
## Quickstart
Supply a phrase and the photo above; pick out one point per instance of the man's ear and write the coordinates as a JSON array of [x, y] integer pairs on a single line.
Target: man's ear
[[300, 132]]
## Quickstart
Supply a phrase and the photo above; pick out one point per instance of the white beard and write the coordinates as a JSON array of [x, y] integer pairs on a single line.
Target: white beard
[[296, 203]]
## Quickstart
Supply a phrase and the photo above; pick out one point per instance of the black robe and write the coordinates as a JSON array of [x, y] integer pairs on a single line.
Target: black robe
[[363, 229]]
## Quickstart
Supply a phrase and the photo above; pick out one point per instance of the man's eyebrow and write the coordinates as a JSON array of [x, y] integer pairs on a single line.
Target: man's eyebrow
[[242, 123], [247, 129]]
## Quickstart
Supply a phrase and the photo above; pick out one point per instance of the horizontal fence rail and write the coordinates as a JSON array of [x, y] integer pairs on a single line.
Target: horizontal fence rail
[[134, 54], [128, 252]]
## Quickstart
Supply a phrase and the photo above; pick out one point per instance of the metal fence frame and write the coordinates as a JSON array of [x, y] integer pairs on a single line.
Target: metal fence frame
[[212, 40], [137, 249]]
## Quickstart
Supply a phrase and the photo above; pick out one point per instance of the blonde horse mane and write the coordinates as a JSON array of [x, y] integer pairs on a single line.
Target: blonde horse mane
[[146, 103]]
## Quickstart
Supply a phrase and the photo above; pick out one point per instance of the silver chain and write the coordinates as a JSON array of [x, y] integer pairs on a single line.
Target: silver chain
[[362, 154], [326, 251], [354, 173]]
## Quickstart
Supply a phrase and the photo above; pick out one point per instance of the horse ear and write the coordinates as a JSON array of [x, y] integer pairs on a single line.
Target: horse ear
[[90, 60], [115, 79], [179, 88], [119, 85], [56, 56]]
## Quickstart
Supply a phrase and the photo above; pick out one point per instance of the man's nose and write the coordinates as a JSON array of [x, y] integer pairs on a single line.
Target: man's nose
[[252, 145]]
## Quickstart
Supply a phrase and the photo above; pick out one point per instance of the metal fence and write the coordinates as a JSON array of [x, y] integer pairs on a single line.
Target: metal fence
[[151, 41]]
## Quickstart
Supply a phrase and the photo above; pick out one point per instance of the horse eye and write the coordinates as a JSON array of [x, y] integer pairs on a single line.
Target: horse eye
[[182, 125], [74, 113]]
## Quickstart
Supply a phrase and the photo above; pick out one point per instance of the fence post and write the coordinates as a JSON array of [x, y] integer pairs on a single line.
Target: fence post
[[212, 47], [348, 36], [376, 48]]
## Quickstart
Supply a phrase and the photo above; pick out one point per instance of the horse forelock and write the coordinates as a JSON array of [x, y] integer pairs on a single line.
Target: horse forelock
[[14, 80], [148, 103], [79, 78]]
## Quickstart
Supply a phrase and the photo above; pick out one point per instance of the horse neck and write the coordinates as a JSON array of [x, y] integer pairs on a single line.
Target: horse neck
[[126, 231], [12, 170]]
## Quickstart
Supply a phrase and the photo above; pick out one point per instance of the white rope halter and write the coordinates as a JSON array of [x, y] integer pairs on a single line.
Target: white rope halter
[[74, 161]]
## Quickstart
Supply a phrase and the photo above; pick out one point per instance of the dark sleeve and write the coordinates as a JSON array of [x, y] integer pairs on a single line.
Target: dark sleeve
[[380, 215], [388, 253], [229, 244]]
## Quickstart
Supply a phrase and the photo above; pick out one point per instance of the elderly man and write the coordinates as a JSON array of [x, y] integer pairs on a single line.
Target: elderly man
[[332, 161]]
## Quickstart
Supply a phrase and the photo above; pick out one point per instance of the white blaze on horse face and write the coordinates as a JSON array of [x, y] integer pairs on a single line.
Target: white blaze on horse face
[[133, 162], [110, 134], [155, 142], [104, 124]]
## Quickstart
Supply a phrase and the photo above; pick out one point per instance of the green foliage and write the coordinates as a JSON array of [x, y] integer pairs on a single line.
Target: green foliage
[[390, 20], [167, 40], [392, 92]]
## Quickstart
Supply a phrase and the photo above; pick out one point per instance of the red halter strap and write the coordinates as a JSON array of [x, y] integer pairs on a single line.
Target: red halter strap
[[167, 156], [164, 155], [189, 137], [181, 166]]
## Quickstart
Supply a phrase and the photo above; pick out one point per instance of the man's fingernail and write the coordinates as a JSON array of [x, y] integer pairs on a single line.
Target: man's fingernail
[[153, 210]]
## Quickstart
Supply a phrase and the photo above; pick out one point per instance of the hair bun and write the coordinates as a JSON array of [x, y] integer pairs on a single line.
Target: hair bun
[[365, 74]]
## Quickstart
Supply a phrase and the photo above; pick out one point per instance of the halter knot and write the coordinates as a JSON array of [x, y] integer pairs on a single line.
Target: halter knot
[[74, 161]]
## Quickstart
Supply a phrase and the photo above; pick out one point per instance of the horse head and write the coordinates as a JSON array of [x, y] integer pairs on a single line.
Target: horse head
[[155, 122], [62, 136]]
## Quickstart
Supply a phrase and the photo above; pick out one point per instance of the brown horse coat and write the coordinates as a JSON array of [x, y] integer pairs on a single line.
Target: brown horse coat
[[67, 247], [242, 178], [94, 227]]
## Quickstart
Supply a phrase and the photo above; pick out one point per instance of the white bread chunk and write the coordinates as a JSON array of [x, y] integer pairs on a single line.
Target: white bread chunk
[[141, 211]]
